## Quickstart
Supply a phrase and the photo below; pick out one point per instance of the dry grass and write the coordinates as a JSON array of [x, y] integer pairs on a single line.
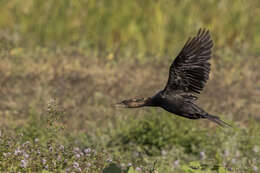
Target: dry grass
[[86, 87]]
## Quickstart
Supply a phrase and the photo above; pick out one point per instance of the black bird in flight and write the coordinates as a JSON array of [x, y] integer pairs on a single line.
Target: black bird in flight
[[188, 75]]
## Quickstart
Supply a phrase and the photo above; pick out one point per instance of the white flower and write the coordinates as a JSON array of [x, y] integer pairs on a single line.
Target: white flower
[[129, 164]]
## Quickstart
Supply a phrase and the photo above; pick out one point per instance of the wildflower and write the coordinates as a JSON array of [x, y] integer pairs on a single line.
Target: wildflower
[[26, 143], [163, 152], [138, 169], [255, 168], [17, 151], [109, 160], [36, 140], [129, 164], [50, 149], [54, 163], [46, 166], [77, 156], [59, 158], [88, 150], [88, 164], [256, 149], [67, 170], [24, 163], [176, 163], [233, 160], [75, 164], [76, 149], [38, 152], [237, 153], [25, 155], [202, 155], [226, 153], [61, 147], [44, 161]]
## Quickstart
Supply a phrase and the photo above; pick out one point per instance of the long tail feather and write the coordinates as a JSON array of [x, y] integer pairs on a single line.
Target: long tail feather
[[217, 120]]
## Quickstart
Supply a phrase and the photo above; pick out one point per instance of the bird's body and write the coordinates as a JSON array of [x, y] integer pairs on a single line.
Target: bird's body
[[188, 74]]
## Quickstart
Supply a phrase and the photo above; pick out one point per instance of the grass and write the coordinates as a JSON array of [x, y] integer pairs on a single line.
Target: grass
[[65, 63], [64, 112], [132, 29]]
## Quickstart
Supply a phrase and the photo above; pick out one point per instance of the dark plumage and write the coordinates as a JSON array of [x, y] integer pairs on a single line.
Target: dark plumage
[[188, 75]]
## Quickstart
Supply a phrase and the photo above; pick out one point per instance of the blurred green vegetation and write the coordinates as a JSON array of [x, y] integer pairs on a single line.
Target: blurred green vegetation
[[44, 46], [131, 28]]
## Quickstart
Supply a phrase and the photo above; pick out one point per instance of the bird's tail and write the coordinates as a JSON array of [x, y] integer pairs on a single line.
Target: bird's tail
[[217, 120]]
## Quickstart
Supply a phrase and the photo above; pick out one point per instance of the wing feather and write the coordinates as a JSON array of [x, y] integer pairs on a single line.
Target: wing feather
[[190, 70]]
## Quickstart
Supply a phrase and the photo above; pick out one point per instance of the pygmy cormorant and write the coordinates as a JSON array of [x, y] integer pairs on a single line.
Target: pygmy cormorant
[[188, 75]]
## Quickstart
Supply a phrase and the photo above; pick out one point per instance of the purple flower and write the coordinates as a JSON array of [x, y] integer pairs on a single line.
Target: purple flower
[[237, 153], [163, 152], [46, 166], [255, 168], [17, 151], [50, 149], [88, 164], [61, 147], [138, 169], [24, 163], [25, 155], [77, 156], [26, 143], [109, 160], [67, 170], [88, 150], [233, 160], [129, 164], [202, 155], [226, 153], [44, 161], [176, 163], [75, 164], [76, 149]]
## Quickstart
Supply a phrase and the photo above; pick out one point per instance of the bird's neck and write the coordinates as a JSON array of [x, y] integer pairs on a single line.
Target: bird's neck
[[138, 102]]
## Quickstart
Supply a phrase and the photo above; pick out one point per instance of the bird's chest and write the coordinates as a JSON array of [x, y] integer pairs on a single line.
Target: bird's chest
[[172, 105]]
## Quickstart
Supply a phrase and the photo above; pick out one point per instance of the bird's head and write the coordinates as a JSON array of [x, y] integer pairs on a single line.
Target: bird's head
[[134, 103]]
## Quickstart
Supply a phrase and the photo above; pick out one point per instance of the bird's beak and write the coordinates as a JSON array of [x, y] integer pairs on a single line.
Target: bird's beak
[[120, 105]]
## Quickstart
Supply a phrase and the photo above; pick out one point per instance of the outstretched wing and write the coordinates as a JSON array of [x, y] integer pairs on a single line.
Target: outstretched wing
[[190, 70]]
